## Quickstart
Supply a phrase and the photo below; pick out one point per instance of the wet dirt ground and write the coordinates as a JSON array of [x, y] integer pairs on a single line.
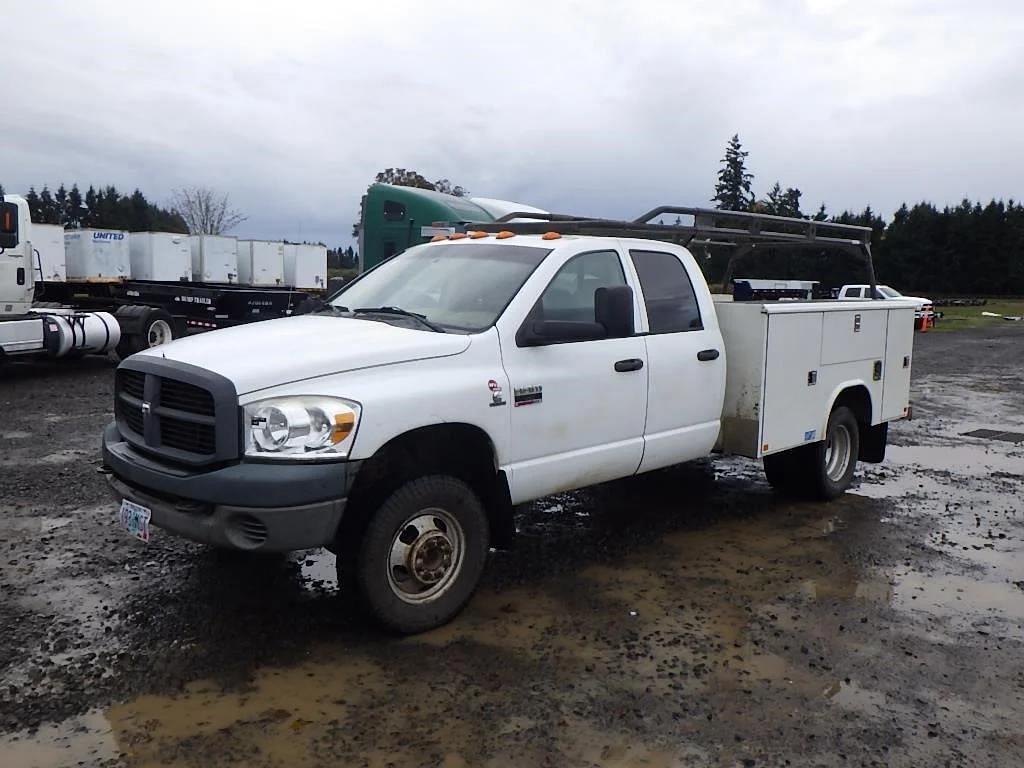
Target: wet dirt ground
[[690, 617]]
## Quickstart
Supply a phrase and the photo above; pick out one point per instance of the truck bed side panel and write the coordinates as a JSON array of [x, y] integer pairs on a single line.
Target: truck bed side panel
[[744, 332]]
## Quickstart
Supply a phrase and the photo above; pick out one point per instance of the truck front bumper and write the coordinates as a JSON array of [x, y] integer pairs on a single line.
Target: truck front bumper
[[257, 506]]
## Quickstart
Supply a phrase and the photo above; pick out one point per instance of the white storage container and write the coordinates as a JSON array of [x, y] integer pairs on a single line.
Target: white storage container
[[97, 255], [260, 262], [49, 264], [161, 256], [214, 259], [305, 266], [787, 361]]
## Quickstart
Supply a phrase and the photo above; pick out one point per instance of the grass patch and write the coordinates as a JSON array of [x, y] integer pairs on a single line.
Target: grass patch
[[958, 318]]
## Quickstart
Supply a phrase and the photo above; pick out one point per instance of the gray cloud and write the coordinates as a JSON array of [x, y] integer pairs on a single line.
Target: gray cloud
[[602, 108]]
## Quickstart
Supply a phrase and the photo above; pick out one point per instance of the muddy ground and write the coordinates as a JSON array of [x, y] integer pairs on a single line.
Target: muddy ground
[[691, 617]]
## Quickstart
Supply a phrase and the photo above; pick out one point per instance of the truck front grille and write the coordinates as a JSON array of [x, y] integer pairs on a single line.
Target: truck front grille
[[184, 421], [186, 397]]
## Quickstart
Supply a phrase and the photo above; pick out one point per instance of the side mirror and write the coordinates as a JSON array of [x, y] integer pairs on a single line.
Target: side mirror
[[9, 225], [613, 309]]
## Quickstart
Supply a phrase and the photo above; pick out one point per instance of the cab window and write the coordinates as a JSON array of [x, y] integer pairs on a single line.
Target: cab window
[[668, 293], [570, 294], [394, 211]]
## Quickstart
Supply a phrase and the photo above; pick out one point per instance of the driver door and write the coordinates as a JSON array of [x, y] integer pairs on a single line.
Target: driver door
[[577, 407]]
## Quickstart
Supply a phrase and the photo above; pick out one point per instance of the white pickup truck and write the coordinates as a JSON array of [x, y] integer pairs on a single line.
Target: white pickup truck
[[858, 292], [401, 424]]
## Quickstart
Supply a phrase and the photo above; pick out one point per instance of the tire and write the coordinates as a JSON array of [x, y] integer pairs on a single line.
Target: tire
[[422, 554], [830, 464], [156, 327]]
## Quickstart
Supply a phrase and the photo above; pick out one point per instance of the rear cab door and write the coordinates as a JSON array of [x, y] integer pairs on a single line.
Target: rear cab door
[[685, 355], [577, 408]]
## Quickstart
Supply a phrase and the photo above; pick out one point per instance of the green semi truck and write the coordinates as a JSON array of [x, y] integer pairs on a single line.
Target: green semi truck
[[395, 218]]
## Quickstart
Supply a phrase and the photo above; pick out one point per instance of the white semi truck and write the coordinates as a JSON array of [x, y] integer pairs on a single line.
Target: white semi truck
[[26, 330], [96, 291], [401, 424]]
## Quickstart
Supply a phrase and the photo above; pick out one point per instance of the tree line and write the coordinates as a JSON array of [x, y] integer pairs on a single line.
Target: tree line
[[973, 248], [103, 208]]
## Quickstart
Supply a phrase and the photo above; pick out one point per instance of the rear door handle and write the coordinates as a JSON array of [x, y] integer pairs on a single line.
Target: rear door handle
[[707, 354], [632, 364]]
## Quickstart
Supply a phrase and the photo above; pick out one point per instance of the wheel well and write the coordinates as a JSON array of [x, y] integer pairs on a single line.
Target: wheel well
[[459, 450], [872, 439], [858, 400]]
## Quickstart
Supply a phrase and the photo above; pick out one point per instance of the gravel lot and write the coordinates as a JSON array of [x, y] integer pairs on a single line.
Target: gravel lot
[[690, 617]]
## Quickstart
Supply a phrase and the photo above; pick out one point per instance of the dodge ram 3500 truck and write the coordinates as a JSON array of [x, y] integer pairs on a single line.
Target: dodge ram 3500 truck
[[400, 424]]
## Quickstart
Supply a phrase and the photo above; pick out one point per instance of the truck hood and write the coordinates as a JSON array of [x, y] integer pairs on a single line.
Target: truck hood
[[275, 352]]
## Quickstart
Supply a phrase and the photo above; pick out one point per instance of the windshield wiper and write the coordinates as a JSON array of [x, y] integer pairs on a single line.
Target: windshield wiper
[[422, 319]]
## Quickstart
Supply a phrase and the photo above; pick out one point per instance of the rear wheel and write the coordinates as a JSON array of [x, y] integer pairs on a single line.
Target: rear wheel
[[832, 462], [822, 470], [422, 554]]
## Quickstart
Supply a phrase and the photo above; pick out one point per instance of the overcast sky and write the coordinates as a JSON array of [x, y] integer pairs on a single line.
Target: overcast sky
[[598, 107]]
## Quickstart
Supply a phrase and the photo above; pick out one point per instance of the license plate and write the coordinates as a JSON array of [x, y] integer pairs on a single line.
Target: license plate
[[135, 519]]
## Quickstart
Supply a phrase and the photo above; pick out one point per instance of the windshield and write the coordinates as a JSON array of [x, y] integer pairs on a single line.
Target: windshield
[[461, 287], [889, 293]]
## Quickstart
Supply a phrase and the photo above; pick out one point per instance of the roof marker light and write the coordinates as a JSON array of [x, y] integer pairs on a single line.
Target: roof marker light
[[550, 236], [477, 234], [456, 235], [504, 234], [437, 238]]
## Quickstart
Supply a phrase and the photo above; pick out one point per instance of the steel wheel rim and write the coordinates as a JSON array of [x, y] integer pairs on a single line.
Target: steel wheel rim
[[837, 452], [426, 556], [159, 333]]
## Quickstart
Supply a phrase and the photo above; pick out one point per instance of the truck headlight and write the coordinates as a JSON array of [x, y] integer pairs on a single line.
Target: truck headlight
[[300, 427]]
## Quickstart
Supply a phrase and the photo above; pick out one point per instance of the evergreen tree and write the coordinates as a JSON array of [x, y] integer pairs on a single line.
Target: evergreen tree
[[822, 214], [732, 192], [140, 213], [74, 209], [781, 202], [89, 215], [32, 198], [49, 212]]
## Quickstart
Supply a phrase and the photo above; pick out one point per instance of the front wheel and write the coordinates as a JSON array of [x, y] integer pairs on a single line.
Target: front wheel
[[422, 554]]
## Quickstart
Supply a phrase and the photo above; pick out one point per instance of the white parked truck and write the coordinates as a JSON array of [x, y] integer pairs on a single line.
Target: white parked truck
[[83, 281], [400, 425], [27, 330], [858, 292]]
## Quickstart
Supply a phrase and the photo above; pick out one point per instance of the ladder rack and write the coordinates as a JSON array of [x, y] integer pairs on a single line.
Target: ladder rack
[[711, 228]]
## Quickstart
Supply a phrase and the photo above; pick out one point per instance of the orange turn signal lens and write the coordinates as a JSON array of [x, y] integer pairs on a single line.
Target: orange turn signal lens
[[456, 236], [438, 238], [550, 236], [343, 425], [504, 234], [477, 235]]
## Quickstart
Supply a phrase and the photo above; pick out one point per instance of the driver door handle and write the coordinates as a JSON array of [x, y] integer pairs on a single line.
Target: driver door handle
[[707, 354], [632, 364]]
